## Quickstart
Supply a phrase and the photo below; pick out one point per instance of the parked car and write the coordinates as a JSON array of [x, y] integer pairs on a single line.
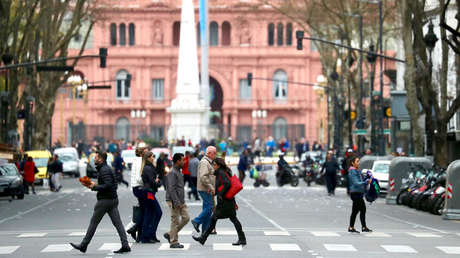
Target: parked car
[[40, 158], [128, 156], [69, 158], [10, 181]]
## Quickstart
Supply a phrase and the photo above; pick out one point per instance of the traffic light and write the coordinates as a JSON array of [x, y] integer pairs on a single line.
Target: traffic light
[[103, 57], [249, 79], [353, 115], [299, 36], [387, 112]]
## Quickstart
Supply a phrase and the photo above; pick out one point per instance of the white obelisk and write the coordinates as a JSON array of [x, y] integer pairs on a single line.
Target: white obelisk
[[187, 109]]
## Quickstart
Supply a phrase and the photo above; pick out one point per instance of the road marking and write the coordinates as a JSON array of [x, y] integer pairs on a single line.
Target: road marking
[[276, 233], [185, 233], [409, 223], [285, 247], [340, 247], [8, 249], [33, 235], [423, 235], [261, 214], [33, 209], [165, 247], [57, 248], [226, 247], [449, 249], [377, 234], [226, 232], [111, 246], [399, 249], [324, 234], [129, 225], [77, 234]]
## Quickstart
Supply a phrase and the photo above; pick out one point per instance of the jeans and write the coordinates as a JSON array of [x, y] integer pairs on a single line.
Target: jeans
[[140, 195], [358, 206], [152, 216], [193, 182], [204, 219]]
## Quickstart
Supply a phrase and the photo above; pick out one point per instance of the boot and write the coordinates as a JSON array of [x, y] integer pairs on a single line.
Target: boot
[[199, 239], [80, 247], [240, 242]]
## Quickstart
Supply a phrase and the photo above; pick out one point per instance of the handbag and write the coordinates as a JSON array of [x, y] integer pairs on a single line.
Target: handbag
[[235, 187], [137, 213]]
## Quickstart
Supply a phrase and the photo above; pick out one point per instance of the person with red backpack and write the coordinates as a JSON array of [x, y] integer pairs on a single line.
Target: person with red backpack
[[226, 207]]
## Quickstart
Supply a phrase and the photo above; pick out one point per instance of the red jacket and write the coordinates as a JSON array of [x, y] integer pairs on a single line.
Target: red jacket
[[29, 171], [185, 169]]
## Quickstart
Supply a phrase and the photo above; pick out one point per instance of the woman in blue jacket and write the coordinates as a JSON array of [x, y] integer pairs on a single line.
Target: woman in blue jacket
[[357, 190]]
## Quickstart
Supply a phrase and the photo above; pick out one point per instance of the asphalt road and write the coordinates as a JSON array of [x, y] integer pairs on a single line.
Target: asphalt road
[[279, 222]]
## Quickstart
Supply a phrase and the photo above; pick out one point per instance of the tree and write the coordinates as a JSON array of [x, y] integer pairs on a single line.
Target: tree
[[41, 30], [420, 84]]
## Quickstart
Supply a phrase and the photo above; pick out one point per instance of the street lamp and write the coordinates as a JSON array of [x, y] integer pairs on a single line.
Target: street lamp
[[430, 40], [319, 88], [260, 115], [371, 58]]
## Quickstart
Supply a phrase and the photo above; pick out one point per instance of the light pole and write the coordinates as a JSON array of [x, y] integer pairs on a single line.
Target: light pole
[[371, 58], [138, 115], [430, 40], [319, 88], [260, 115]]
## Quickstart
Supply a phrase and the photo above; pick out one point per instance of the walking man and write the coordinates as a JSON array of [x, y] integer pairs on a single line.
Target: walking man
[[57, 170], [175, 198], [206, 183], [107, 202], [193, 168]]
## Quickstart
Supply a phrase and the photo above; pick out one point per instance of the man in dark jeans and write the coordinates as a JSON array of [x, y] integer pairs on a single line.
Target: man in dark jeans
[[107, 202]]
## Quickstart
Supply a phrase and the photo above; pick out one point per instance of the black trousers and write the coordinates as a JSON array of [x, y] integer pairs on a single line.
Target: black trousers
[[103, 206], [233, 219], [358, 207], [331, 182], [242, 175]]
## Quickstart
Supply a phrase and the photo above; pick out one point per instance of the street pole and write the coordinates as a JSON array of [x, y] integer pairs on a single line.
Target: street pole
[[381, 136], [361, 90]]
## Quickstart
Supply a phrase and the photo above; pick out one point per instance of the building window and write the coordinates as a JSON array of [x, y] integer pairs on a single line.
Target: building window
[[123, 86], [280, 128], [132, 34], [289, 34], [214, 34], [158, 89], [176, 33], [245, 90], [271, 34], [157, 132], [122, 129], [226, 34], [122, 34], [280, 34], [280, 85], [113, 34], [198, 34]]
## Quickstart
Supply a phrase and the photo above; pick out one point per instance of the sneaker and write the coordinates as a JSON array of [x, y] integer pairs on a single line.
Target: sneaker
[[196, 226], [353, 230], [167, 237], [366, 229], [176, 246]]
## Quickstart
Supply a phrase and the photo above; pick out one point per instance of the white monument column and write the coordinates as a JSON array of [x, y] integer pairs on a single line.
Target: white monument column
[[187, 110]]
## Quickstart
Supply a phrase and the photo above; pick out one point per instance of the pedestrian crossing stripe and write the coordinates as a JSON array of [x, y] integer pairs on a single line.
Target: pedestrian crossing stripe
[[276, 233], [226, 247], [324, 234], [185, 233], [285, 247], [166, 247], [32, 235], [111, 246], [8, 249], [340, 247], [399, 249], [449, 249], [77, 234], [423, 235], [377, 234], [226, 232], [57, 248]]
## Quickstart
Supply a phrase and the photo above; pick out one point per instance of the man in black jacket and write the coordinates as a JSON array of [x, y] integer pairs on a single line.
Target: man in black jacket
[[107, 202]]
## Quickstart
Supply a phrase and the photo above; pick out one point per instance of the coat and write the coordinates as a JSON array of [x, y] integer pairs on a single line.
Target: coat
[[149, 175], [106, 187], [206, 178], [29, 171], [225, 208], [355, 181]]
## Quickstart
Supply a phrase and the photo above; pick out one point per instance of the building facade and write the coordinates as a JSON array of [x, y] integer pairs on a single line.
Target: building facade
[[142, 38]]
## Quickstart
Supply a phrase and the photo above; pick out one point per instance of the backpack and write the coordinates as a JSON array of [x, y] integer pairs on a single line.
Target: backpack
[[254, 173], [374, 190]]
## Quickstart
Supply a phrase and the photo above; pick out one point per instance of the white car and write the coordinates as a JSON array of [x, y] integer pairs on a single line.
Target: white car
[[128, 156], [69, 158], [381, 171]]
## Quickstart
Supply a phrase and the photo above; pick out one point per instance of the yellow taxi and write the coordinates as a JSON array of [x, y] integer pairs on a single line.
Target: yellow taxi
[[40, 158]]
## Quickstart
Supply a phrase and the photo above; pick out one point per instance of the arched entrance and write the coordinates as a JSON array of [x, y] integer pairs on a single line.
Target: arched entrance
[[76, 133], [216, 97], [280, 128], [122, 129]]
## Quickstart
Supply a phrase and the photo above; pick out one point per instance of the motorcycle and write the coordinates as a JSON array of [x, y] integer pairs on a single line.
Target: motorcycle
[[286, 175], [307, 173]]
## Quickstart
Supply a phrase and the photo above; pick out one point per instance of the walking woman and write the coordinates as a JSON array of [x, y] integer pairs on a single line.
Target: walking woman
[[29, 174], [357, 190], [152, 212], [225, 208]]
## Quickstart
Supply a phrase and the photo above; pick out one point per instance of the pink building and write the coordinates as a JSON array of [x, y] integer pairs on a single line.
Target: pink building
[[142, 38]]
